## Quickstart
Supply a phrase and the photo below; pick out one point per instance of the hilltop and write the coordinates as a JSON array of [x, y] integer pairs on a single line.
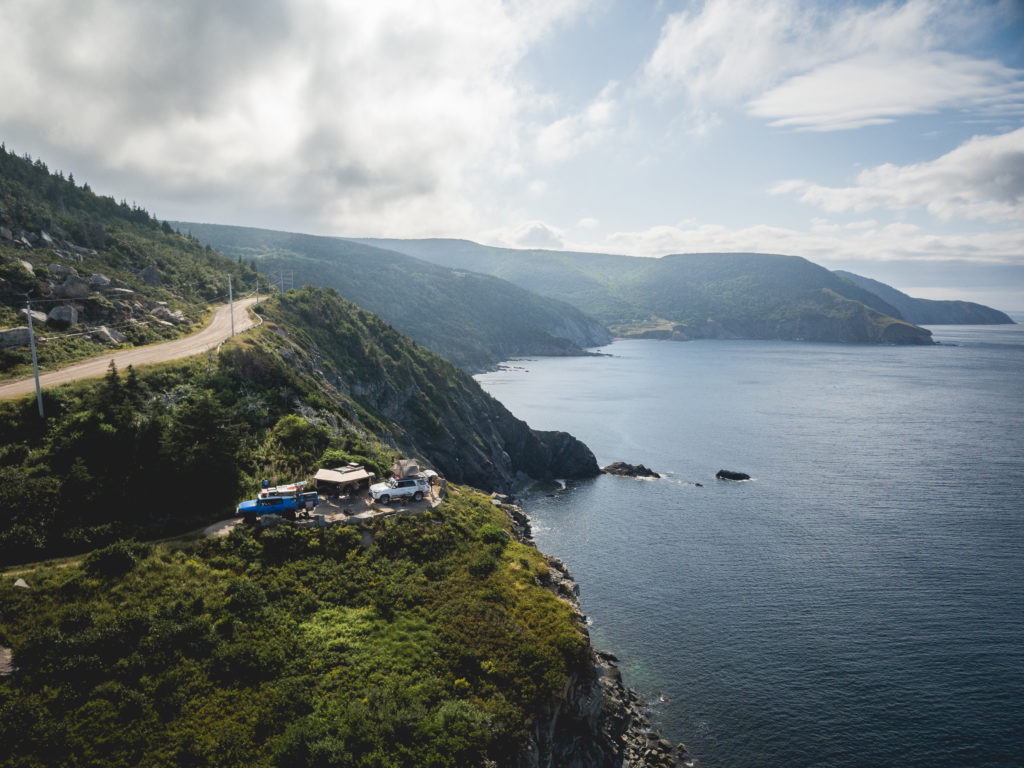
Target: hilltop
[[689, 296], [473, 320]]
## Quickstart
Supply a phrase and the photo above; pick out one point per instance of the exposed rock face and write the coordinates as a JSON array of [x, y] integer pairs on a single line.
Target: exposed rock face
[[14, 337], [63, 314], [109, 335], [629, 470], [597, 722], [37, 316], [150, 276], [726, 474], [72, 288]]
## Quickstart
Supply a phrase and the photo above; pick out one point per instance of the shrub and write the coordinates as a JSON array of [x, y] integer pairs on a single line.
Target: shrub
[[116, 559]]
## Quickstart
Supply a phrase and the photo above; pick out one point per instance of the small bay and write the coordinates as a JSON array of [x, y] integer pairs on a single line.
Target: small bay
[[860, 600]]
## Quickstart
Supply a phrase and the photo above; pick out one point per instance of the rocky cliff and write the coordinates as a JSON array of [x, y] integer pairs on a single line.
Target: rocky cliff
[[597, 722], [431, 408]]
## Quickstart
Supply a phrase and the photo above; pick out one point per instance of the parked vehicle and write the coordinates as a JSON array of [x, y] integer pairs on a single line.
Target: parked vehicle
[[278, 501], [408, 487]]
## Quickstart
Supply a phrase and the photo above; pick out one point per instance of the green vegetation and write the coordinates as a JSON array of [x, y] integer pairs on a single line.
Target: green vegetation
[[168, 448], [289, 647], [473, 320], [930, 311], [70, 235], [725, 295]]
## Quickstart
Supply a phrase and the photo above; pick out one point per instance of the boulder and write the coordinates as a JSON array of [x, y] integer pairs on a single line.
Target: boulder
[[27, 266], [726, 474], [63, 314], [162, 312], [14, 337], [72, 288], [150, 276], [629, 470], [44, 239], [99, 280], [62, 271], [6, 234], [109, 335], [37, 316]]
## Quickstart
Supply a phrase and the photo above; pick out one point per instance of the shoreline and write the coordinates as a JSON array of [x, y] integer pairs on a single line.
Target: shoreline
[[615, 718]]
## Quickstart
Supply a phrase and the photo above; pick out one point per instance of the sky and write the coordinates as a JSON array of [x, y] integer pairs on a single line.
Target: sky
[[885, 138]]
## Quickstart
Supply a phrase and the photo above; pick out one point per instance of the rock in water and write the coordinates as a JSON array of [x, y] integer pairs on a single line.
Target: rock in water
[[629, 470], [725, 474]]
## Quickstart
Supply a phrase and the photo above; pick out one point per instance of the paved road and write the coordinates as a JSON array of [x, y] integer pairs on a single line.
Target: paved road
[[208, 338]]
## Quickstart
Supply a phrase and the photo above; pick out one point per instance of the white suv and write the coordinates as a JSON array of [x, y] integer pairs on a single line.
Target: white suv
[[416, 487]]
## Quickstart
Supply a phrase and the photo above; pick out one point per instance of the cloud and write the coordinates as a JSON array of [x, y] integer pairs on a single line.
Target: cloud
[[531, 234], [570, 135], [831, 67], [982, 179], [386, 118]]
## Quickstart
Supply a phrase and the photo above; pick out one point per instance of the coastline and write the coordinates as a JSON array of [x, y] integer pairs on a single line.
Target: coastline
[[598, 721]]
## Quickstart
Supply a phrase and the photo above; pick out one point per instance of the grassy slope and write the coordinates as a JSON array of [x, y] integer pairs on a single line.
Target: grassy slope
[[473, 320], [92, 234]]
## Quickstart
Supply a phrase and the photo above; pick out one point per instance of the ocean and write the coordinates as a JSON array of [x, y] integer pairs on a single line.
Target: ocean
[[860, 601]]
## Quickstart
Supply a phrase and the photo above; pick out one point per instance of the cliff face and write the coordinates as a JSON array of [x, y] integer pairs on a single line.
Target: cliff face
[[598, 722], [435, 410]]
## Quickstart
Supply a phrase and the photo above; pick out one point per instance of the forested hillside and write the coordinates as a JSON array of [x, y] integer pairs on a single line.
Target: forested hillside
[[100, 274], [688, 296], [471, 319], [167, 448], [930, 311]]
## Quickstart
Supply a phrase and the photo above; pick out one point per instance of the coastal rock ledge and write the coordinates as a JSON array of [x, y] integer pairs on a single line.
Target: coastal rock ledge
[[629, 470], [597, 722]]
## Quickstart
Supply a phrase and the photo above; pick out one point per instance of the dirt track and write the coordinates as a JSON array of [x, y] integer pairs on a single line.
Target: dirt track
[[208, 338]]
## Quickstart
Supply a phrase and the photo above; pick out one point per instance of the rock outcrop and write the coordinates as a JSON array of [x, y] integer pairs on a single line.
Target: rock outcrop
[[629, 470], [597, 722], [727, 474]]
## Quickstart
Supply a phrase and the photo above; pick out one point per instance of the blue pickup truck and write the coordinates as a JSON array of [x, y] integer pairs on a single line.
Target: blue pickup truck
[[283, 500]]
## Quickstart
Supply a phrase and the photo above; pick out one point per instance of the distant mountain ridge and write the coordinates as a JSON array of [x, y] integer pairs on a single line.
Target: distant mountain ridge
[[689, 296], [472, 319], [930, 311]]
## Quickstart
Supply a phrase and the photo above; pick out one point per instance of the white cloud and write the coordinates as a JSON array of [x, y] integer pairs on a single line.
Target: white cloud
[[588, 222], [875, 88], [830, 67], [570, 135], [529, 234], [983, 179], [385, 117]]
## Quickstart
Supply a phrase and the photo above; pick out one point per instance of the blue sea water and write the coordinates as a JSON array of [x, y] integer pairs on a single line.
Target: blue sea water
[[861, 600]]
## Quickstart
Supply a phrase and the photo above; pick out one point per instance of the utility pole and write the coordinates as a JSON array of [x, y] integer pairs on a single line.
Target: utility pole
[[35, 361], [231, 304]]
